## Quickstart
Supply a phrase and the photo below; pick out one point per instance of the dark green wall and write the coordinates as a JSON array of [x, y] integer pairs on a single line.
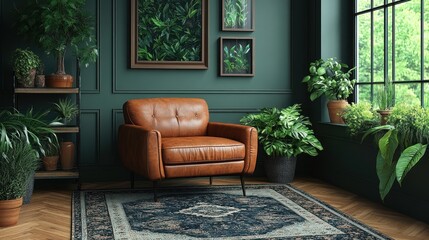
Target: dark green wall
[[107, 84]]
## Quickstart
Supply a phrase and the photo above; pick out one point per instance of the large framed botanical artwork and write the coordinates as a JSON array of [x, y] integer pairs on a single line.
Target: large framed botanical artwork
[[169, 34]]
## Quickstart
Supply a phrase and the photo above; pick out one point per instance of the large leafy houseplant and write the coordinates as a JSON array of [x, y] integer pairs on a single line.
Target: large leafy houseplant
[[401, 144], [57, 25], [284, 132], [332, 79]]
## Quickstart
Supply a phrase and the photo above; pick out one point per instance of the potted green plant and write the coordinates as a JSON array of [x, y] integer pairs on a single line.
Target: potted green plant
[[332, 79], [385, 100], [26, 127], [16, 167], [401, 143], [359, 117], [66, 110], [52, 154], [24, 64], [56, 26], [283, 134]]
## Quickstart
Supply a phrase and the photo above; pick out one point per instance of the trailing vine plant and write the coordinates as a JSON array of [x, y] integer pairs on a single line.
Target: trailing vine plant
[[169, 30]]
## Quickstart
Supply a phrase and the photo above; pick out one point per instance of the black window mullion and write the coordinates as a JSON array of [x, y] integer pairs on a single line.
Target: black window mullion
[[386, 43], [422, 49], [372, 52]]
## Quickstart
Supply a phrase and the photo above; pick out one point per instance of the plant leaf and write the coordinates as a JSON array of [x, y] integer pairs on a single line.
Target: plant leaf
[[388, 144], [409, 157], [386, 176]]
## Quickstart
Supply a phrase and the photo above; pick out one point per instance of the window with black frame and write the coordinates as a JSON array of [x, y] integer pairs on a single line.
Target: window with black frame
[[392, 47]]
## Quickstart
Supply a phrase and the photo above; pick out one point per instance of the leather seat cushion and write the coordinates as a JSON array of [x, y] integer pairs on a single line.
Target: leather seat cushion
[[200, 149]]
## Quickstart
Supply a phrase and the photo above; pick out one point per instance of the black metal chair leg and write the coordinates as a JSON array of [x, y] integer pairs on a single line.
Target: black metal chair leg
[[155, 186], [132, 179], [242, 185], [211, 180]]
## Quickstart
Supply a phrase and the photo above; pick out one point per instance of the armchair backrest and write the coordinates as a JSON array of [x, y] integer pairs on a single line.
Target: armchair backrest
[[172, 117]]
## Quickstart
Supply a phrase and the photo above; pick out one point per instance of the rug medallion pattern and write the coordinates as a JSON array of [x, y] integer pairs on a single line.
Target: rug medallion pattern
[[267, 212]]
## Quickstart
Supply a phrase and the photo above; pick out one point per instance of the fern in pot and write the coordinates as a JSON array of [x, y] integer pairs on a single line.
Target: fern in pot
[[283, 134]]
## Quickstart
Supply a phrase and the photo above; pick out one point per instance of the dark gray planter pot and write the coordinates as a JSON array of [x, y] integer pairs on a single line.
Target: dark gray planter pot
[[30, 188], [280, 169]]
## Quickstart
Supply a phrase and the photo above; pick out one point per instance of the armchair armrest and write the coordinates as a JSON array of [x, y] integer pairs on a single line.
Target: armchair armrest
[[245, 134], [140, 151]]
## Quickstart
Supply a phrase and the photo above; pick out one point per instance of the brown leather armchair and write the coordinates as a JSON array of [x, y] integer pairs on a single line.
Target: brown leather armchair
[[173, 138]]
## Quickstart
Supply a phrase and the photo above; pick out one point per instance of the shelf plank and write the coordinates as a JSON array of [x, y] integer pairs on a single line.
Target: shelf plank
[[71, 174], [47, 90], [65, 129]]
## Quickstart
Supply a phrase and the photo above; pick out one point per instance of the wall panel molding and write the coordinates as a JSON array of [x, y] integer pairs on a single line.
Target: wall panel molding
[[95, 113], [97, 63]]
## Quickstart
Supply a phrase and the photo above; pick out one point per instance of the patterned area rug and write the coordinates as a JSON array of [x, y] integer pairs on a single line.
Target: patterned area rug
[[268, 212]]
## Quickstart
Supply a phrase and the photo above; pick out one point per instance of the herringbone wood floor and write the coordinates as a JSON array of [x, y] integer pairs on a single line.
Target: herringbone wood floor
[[48, 216]]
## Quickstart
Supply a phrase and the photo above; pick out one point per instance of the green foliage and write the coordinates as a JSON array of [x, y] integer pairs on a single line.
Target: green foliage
[[51, 147], [16, 166], [284, 132], [407, 54], [56, 25], [329, 77], [236, 59], [23, 61], [66, 109], [359, 117], [28, 127], [386, 97], [236, 13], [402, 145], [169, 30]]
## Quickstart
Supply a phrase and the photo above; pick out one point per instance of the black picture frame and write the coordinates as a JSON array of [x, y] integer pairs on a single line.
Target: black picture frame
[[162, 39], [236, 56]]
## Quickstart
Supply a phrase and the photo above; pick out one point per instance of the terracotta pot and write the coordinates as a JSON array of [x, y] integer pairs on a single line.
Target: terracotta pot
[[336, 109], [40, 81], [59, 81], [384, 115], [28, 82], [67, 155], [50, 163], [9, 212]]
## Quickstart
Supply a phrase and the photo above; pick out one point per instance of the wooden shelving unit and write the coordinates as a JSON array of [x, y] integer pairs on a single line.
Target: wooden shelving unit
[[58, 174]]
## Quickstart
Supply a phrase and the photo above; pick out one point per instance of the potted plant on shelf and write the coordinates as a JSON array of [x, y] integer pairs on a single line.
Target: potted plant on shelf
[[52, 154], [332, 79], [283, 134], [56, 26], [66, 110], [401, 143], [385, 100], [24, 64]]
